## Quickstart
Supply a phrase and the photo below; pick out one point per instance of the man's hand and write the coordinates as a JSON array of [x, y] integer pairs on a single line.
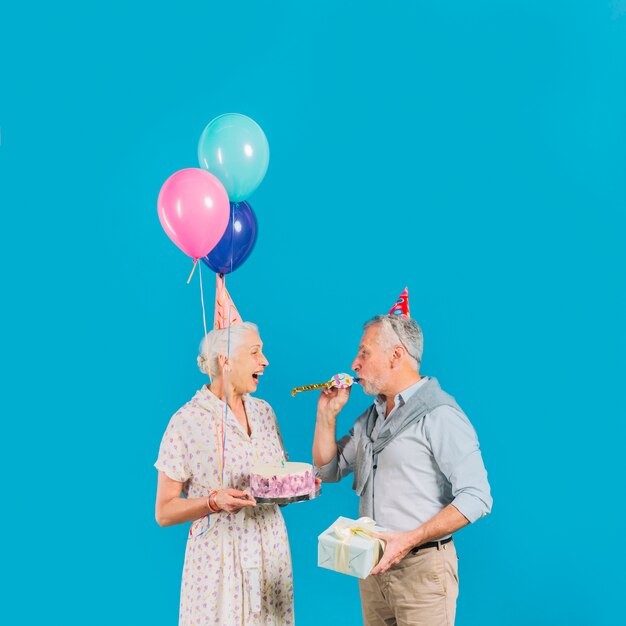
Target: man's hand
[[397, 546], [331, 401]]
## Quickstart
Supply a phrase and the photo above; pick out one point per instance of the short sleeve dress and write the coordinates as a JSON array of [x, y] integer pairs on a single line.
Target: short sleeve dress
[[237, 569]]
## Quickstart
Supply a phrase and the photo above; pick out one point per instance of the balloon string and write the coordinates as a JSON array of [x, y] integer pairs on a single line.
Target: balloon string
[[227, 376], [193, 269], [206, 356], [203, 311], [226, 381], [232, 234], [218, 435]]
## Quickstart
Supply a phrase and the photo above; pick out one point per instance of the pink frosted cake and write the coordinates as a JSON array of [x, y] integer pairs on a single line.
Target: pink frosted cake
[[278, 480]]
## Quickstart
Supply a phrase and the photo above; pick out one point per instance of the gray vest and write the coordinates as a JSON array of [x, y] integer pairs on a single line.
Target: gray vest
[[427, 398]]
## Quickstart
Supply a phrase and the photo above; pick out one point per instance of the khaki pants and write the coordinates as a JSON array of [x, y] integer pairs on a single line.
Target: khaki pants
[[421, 590]]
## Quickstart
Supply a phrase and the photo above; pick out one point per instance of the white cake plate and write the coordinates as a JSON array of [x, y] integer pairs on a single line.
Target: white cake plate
[[303, 498]]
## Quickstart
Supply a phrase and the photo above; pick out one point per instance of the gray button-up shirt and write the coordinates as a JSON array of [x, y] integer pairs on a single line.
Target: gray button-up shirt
[[436, 461]]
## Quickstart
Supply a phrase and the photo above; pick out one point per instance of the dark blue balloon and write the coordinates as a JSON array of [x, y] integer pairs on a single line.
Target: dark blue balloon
[[237, 242]]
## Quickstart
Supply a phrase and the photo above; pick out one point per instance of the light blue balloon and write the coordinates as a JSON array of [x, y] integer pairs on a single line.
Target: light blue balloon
[[234, 148]]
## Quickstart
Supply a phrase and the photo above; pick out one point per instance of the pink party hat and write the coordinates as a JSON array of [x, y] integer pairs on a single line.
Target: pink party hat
[[225, 308], [401, 307]]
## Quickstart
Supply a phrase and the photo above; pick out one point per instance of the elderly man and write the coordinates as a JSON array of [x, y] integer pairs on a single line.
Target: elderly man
[[417, 469]]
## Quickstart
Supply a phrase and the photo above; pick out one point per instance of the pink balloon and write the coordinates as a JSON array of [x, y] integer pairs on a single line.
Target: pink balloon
[[194, 210]]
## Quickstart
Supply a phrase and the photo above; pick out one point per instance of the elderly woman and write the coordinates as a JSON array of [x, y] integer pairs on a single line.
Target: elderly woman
[[237, 567]]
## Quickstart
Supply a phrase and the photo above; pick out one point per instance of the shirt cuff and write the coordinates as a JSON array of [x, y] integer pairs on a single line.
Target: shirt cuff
[[471, 507], [171, 471], [329, 472]]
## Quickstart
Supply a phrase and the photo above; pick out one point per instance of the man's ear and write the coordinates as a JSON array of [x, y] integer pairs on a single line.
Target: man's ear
[[396, 355]]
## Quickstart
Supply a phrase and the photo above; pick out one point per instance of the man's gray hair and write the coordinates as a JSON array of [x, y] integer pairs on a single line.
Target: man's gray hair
[[215, 343], [396, 327]]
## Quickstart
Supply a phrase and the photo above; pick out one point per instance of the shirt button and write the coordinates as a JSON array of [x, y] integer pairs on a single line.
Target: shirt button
[[375, 466]]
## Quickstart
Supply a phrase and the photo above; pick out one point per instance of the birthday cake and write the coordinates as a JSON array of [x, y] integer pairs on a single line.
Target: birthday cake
[[281, 480]]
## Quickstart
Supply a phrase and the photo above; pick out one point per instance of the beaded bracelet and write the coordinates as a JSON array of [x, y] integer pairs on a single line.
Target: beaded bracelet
[[217, 509]]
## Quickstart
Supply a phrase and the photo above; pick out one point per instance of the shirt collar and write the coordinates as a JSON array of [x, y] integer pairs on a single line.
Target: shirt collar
[[400, 399], [208, 399]]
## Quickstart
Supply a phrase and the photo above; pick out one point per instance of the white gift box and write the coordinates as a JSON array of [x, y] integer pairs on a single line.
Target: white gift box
[[347, 547]]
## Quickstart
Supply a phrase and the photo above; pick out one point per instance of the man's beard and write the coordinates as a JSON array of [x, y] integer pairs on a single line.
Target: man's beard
[[372, 386]]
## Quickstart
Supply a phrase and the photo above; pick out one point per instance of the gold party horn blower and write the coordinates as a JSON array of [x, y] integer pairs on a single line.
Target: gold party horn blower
[[341, 381]]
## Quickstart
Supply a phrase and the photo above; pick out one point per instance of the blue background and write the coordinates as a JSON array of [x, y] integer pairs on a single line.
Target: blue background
[[474, 151]]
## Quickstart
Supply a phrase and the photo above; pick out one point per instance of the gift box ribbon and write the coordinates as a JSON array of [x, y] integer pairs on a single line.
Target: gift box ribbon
[[363, 527]]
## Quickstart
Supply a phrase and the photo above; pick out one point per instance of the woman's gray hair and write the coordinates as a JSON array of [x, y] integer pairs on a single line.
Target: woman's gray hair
[[215, 344], [400, 328]]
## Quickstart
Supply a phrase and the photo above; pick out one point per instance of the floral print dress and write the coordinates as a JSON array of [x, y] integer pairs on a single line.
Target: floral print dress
[[237, 569]]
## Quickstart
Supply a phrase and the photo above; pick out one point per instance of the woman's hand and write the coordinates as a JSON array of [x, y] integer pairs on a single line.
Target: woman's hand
[[232, 500]]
